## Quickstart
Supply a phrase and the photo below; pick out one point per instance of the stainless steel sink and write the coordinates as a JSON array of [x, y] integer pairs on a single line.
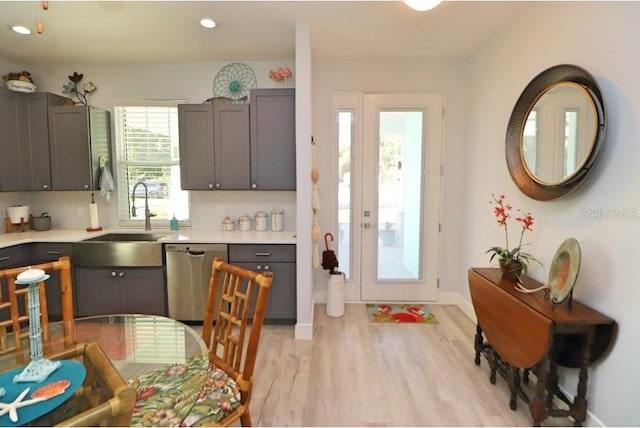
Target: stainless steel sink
[[127, 237], [119, 250]]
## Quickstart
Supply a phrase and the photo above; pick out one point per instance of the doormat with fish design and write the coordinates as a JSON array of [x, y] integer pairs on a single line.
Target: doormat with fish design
[[393, 312]]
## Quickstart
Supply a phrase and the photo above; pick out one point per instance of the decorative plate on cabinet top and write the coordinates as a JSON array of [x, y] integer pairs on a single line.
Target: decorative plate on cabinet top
[[564, 270]]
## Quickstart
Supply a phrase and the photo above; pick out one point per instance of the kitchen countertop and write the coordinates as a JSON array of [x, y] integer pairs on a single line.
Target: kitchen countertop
[[204, 236]]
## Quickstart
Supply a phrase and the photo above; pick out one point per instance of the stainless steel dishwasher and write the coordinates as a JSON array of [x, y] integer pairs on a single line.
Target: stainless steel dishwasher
[[188, 274]]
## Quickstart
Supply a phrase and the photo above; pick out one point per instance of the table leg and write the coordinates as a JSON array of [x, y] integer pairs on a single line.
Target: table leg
[[552, 381], [537, 405], [493, 365], [580, 402], [514, 386], [478, 344]]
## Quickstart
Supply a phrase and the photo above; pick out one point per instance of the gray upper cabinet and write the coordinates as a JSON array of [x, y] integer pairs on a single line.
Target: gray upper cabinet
[[214, 146], [78, 137], [231, 143], [24, 140], [273, 139], [195, 127]]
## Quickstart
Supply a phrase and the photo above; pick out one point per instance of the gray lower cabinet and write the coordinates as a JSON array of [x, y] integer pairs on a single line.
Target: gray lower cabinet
[[79, 136], [273, 139], [46, 252], [214, 146], [279, 259], [15, 256], [103, 291], [24, 137], [11, 257], [36, 253]]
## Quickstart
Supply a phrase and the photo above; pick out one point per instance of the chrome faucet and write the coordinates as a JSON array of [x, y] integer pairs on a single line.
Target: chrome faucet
[[147, 214]]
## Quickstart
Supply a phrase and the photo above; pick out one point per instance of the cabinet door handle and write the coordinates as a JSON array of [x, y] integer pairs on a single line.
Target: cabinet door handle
[[121, 274], [113, 274], [210, 185], [259, 268], [254, 186], [86, 186], [262, 253], [5, 258], [267, 268], [45, 186], [53, 252]]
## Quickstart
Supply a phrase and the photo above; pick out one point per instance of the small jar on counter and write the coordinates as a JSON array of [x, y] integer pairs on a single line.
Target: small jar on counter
[[277, 220], [227, 224], [244, 223], [261, 220]]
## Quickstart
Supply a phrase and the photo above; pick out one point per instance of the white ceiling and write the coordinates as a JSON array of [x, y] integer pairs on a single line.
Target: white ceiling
[[168, 31]]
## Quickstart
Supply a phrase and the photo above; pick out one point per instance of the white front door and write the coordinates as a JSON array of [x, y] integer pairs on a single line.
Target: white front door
[[394, 204]]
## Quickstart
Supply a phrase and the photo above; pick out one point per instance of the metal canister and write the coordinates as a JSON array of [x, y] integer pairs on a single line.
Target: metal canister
[[277, 220], [244, 222], [260, 219], [227, 224]]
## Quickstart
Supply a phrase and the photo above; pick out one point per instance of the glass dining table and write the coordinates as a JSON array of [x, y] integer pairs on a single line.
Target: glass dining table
[[162, 358]]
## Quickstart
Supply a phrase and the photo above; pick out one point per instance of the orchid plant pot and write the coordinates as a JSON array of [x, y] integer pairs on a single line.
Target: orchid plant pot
[[511, 269]]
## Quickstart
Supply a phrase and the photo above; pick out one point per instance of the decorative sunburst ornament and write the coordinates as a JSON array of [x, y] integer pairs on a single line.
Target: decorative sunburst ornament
[[234, 81]]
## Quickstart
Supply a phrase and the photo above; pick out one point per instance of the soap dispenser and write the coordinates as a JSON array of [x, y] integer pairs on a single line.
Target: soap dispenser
[[174, 223]]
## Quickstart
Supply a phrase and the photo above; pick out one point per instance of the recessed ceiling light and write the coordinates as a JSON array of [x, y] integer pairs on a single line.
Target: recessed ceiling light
[[20, 29], [422, 5], [207, 23]]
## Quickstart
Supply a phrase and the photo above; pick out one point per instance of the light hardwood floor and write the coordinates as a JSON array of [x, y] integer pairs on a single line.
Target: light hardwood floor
[[357, 373]]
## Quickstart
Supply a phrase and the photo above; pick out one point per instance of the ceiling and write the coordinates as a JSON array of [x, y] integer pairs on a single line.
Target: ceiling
[[168, 31]]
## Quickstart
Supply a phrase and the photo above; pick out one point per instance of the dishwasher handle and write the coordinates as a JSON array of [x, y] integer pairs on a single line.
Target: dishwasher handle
[[196, 253]]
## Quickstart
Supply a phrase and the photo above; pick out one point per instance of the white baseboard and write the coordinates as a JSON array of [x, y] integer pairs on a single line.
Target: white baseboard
[[303, 331]]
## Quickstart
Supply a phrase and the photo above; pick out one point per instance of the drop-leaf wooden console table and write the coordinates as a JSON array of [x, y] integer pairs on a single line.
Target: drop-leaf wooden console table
[[519, 333]]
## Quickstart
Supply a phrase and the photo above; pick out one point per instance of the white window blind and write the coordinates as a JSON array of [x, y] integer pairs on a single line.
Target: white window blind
[[147, 148], [155, 340]]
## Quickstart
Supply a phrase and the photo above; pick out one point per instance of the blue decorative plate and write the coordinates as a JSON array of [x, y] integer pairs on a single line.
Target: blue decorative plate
[[72, 371], [564, 270]]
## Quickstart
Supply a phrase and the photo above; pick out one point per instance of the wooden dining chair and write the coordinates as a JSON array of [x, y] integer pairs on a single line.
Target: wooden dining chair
[[14, 308], [234, 314], [104, 399]]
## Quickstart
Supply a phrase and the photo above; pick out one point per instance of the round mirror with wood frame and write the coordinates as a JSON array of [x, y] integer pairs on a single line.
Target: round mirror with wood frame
[[555, 132]]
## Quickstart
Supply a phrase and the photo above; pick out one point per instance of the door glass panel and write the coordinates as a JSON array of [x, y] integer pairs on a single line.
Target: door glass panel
[[399, 229], [345, 232]]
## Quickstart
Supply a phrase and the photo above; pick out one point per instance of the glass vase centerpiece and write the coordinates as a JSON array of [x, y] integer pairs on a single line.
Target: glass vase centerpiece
[[513, 261], [38, 368]]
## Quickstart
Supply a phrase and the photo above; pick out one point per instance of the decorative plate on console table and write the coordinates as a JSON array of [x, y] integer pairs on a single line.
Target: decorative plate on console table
[[564, 270]]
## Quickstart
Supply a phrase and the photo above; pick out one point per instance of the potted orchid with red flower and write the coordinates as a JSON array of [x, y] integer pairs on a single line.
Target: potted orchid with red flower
[[512, 260]]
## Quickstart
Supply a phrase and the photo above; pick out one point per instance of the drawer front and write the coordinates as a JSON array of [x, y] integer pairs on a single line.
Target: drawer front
[[14, 256], [262, 253], [48, 252]]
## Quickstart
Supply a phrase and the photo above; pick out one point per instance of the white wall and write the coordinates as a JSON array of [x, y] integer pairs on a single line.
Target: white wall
[[602, 38]]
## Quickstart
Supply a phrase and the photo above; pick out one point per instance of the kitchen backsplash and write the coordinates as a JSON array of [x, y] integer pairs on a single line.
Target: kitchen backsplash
[[70, 210]]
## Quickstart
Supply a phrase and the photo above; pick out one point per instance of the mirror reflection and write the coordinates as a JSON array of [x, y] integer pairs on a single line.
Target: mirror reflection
[[559, 133]]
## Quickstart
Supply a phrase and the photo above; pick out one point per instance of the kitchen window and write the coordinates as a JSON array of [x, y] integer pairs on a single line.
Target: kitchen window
[[147, 151]]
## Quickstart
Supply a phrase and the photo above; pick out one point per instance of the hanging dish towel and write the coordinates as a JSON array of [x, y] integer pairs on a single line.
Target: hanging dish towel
[[106, 183]]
